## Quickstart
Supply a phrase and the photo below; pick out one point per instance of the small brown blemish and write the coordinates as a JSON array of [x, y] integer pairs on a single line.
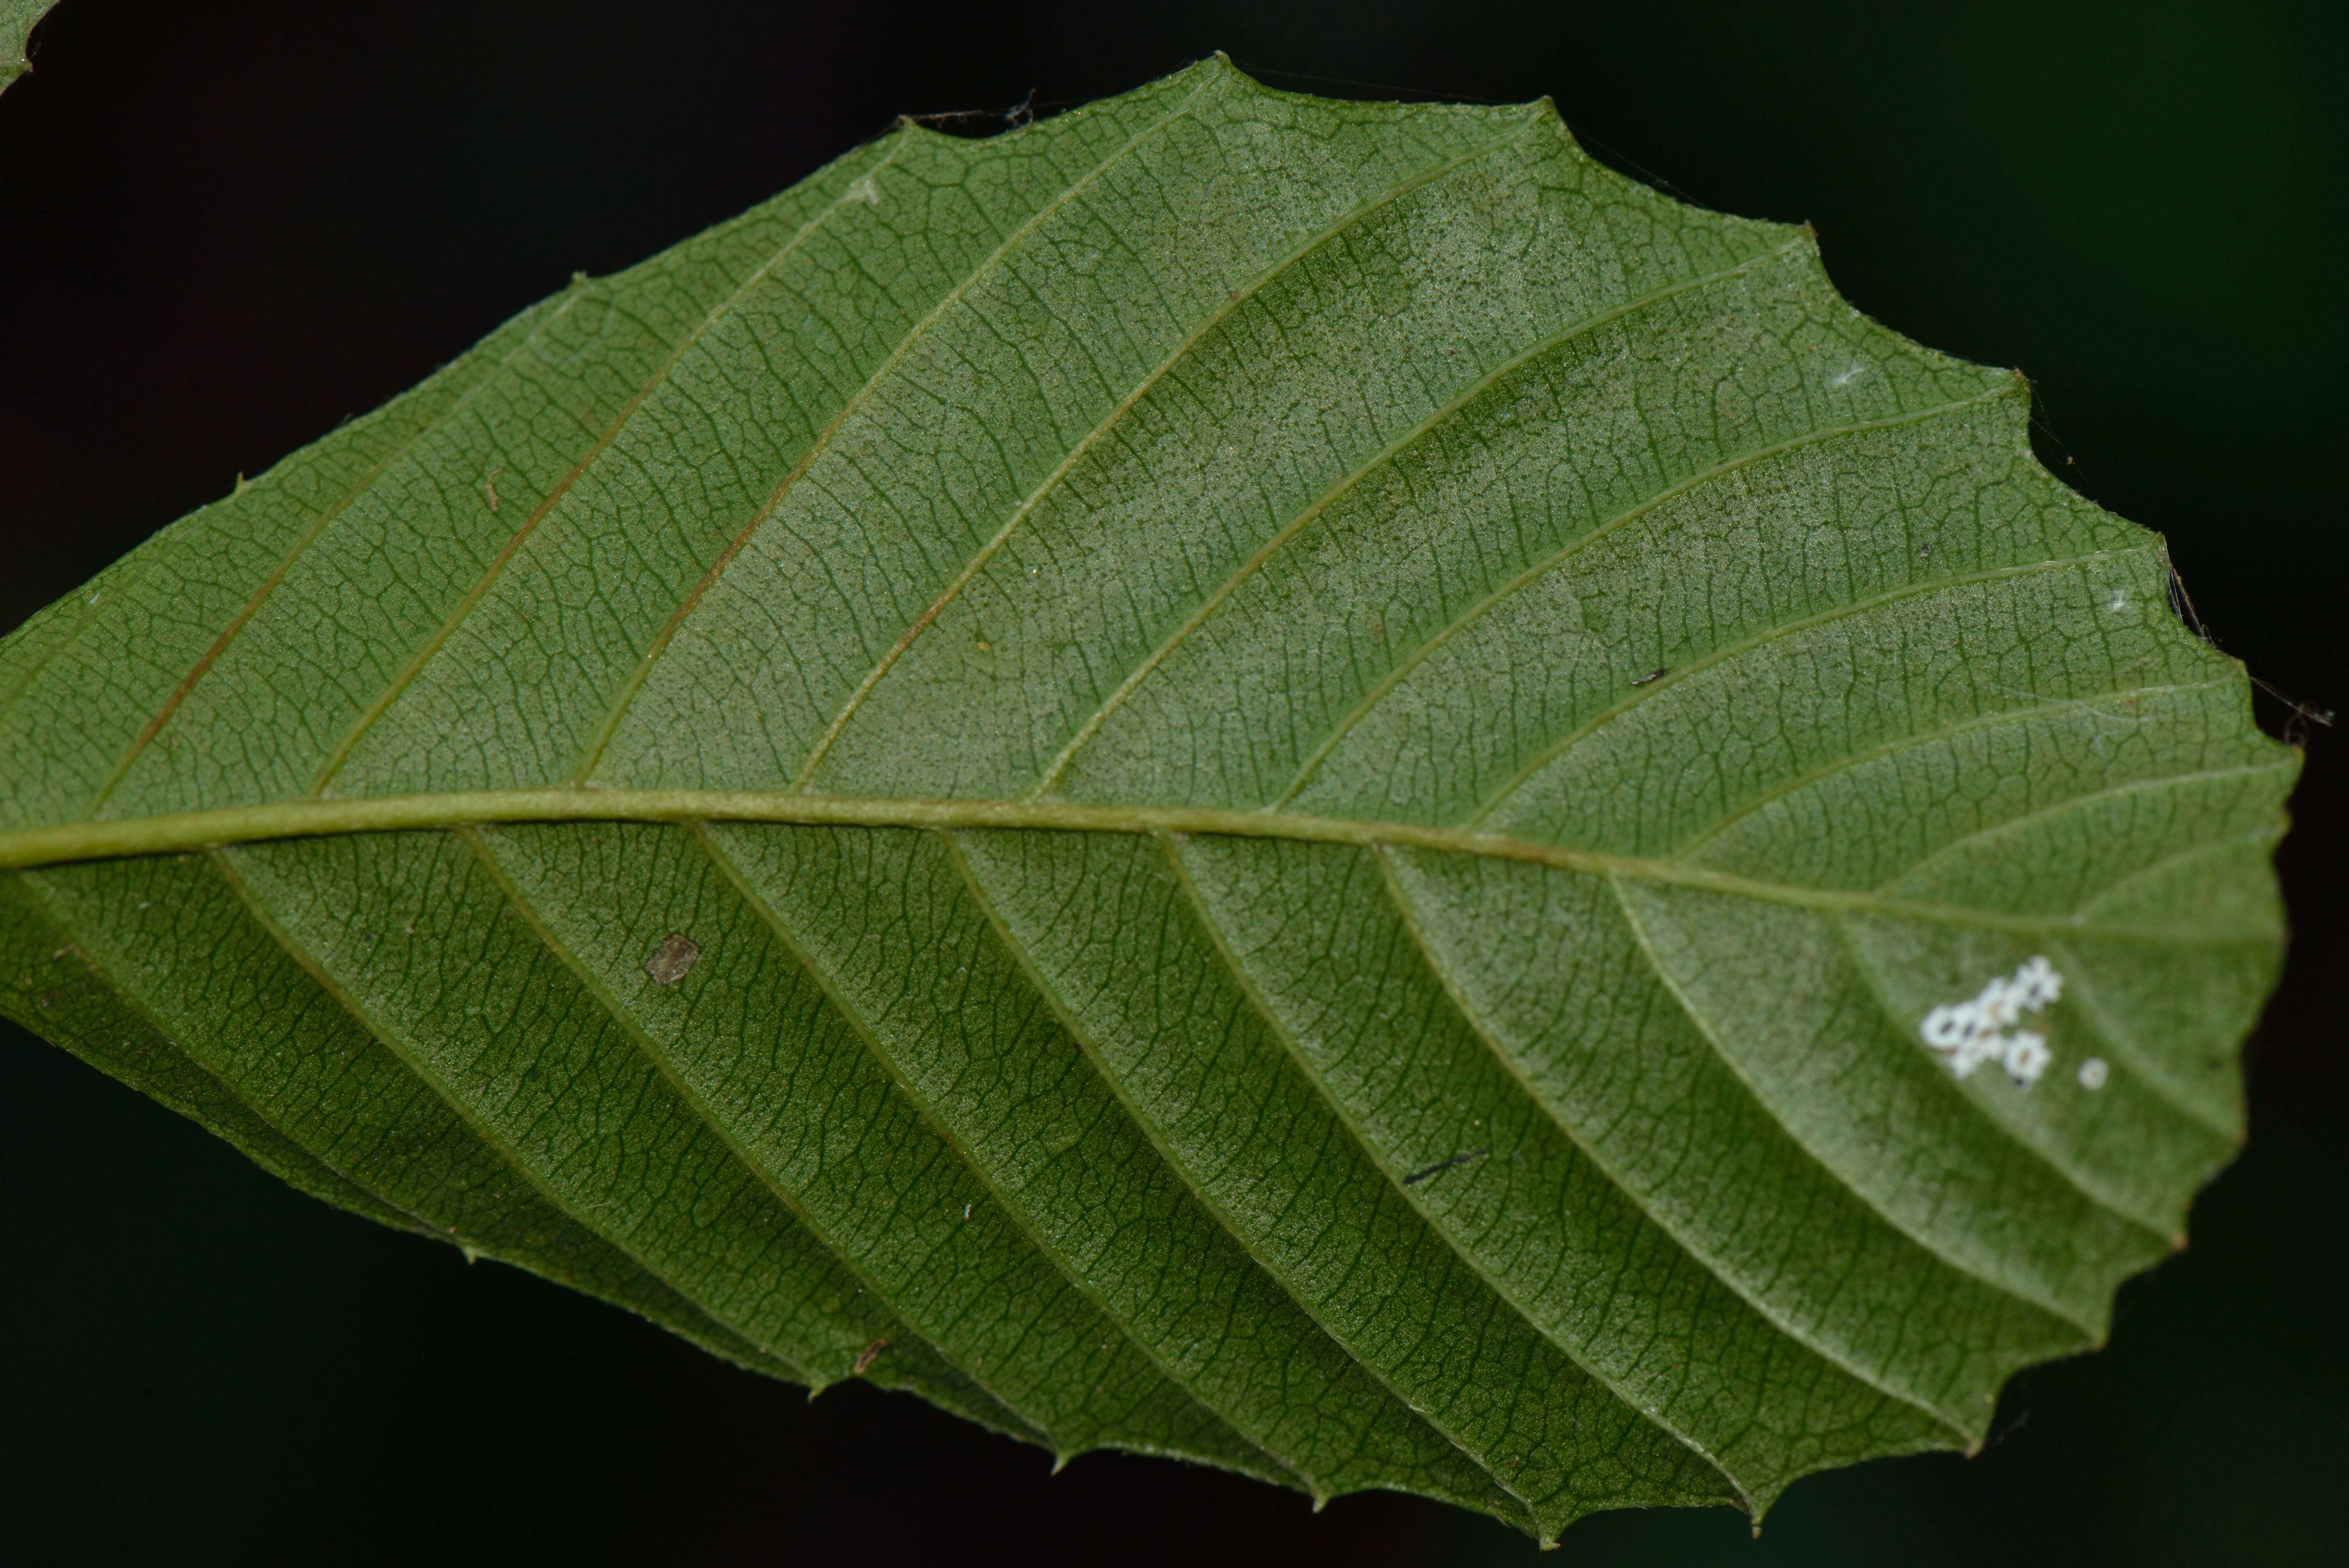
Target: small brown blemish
[[867, 1357], [671, 960], [490, 485]]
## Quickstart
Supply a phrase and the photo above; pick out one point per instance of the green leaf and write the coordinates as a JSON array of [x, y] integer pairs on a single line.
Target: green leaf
[[17, 19], [1282, 782]]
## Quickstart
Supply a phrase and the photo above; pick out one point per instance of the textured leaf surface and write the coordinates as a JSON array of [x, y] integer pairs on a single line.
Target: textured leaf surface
[[1236, 775], [17, 19]]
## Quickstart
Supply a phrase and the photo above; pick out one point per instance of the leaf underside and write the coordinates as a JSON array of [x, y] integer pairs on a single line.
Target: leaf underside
[[1235, 776], [17, 19]]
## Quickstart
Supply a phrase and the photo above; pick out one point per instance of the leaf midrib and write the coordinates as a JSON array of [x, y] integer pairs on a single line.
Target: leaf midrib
[[183, 832]]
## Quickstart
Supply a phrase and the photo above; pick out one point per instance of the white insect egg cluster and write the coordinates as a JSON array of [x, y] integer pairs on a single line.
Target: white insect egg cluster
[[1970, 1034]]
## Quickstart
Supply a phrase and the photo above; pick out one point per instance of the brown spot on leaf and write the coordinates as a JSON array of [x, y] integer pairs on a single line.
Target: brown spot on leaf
[[867, 1357], [671, 960]]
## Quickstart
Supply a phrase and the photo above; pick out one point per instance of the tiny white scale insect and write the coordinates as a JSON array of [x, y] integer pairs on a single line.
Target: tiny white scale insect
[[1970, 1034]]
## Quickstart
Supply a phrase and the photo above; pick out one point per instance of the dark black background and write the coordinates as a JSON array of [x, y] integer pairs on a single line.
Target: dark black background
[[224, 227]]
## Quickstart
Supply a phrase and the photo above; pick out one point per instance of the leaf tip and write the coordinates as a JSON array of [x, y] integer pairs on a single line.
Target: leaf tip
[[13, 70]]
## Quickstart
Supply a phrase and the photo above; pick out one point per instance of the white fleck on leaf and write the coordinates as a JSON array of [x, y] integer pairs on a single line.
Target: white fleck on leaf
[[1968, 1034]]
